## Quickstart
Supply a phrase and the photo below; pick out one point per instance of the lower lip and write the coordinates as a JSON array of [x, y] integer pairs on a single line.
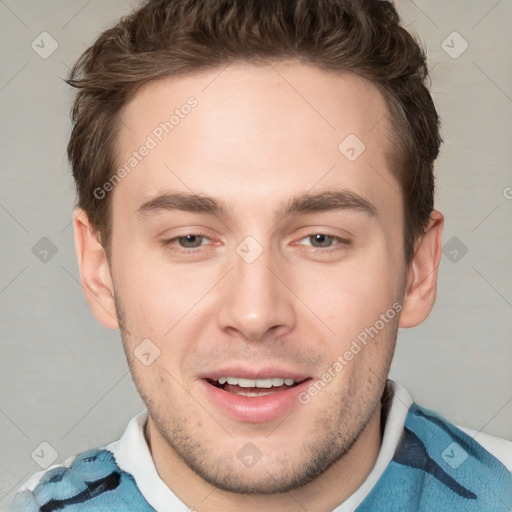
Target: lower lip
[[255, 409]]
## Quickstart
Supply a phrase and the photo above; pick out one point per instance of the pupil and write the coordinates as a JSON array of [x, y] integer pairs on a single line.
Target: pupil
[[192, 239], [322, 238]]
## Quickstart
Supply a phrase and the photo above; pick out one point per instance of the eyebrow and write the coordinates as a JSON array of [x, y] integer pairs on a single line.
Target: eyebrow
[[326, 201]]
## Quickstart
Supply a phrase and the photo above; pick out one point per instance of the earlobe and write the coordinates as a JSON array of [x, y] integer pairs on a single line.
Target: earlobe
[[95, 275], [422, 277]]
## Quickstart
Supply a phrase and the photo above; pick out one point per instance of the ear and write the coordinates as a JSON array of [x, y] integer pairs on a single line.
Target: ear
[[422, 276], [94, 271]]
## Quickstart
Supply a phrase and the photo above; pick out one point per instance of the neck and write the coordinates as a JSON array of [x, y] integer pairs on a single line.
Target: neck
[[323, 494]]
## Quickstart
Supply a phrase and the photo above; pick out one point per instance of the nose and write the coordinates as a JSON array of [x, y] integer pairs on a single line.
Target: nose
[[256, 302]]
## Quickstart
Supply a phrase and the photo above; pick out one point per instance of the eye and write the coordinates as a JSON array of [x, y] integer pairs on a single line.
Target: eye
[[325, 241], [188, 241]]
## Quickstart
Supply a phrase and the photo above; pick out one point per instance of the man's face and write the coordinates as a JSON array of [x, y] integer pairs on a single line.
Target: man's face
[[255, 293]]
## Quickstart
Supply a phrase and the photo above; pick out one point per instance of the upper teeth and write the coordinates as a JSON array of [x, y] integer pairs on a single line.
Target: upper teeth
[[255, 383]]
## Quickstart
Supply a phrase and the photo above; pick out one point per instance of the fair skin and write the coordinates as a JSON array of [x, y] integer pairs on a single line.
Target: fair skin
[[253, 143]]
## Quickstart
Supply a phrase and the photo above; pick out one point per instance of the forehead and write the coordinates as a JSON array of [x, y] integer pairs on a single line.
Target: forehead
[[255, 132]]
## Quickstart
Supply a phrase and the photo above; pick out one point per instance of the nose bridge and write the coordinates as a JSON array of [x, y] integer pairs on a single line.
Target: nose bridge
[[256, 300]]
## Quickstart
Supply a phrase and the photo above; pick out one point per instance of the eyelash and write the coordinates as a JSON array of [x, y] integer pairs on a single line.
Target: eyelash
[[167, 243]]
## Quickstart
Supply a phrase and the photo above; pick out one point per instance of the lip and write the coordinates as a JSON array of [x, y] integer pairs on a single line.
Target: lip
[[251, 373], [254, 409]]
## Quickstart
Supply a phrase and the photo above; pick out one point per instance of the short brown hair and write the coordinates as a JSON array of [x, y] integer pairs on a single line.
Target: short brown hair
[[171, 37]]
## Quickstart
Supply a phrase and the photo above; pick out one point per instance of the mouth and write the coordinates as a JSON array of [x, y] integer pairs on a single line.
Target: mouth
[[254, 398], [253, 387]]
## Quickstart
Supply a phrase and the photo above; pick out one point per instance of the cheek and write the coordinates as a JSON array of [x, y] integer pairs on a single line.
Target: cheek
[[157, 295], [354, 296]]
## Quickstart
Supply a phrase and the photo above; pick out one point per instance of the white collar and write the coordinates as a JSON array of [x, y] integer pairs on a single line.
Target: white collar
[[395, 420]]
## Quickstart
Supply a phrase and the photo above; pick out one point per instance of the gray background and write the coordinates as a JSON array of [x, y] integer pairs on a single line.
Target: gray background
[[64, 378]]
